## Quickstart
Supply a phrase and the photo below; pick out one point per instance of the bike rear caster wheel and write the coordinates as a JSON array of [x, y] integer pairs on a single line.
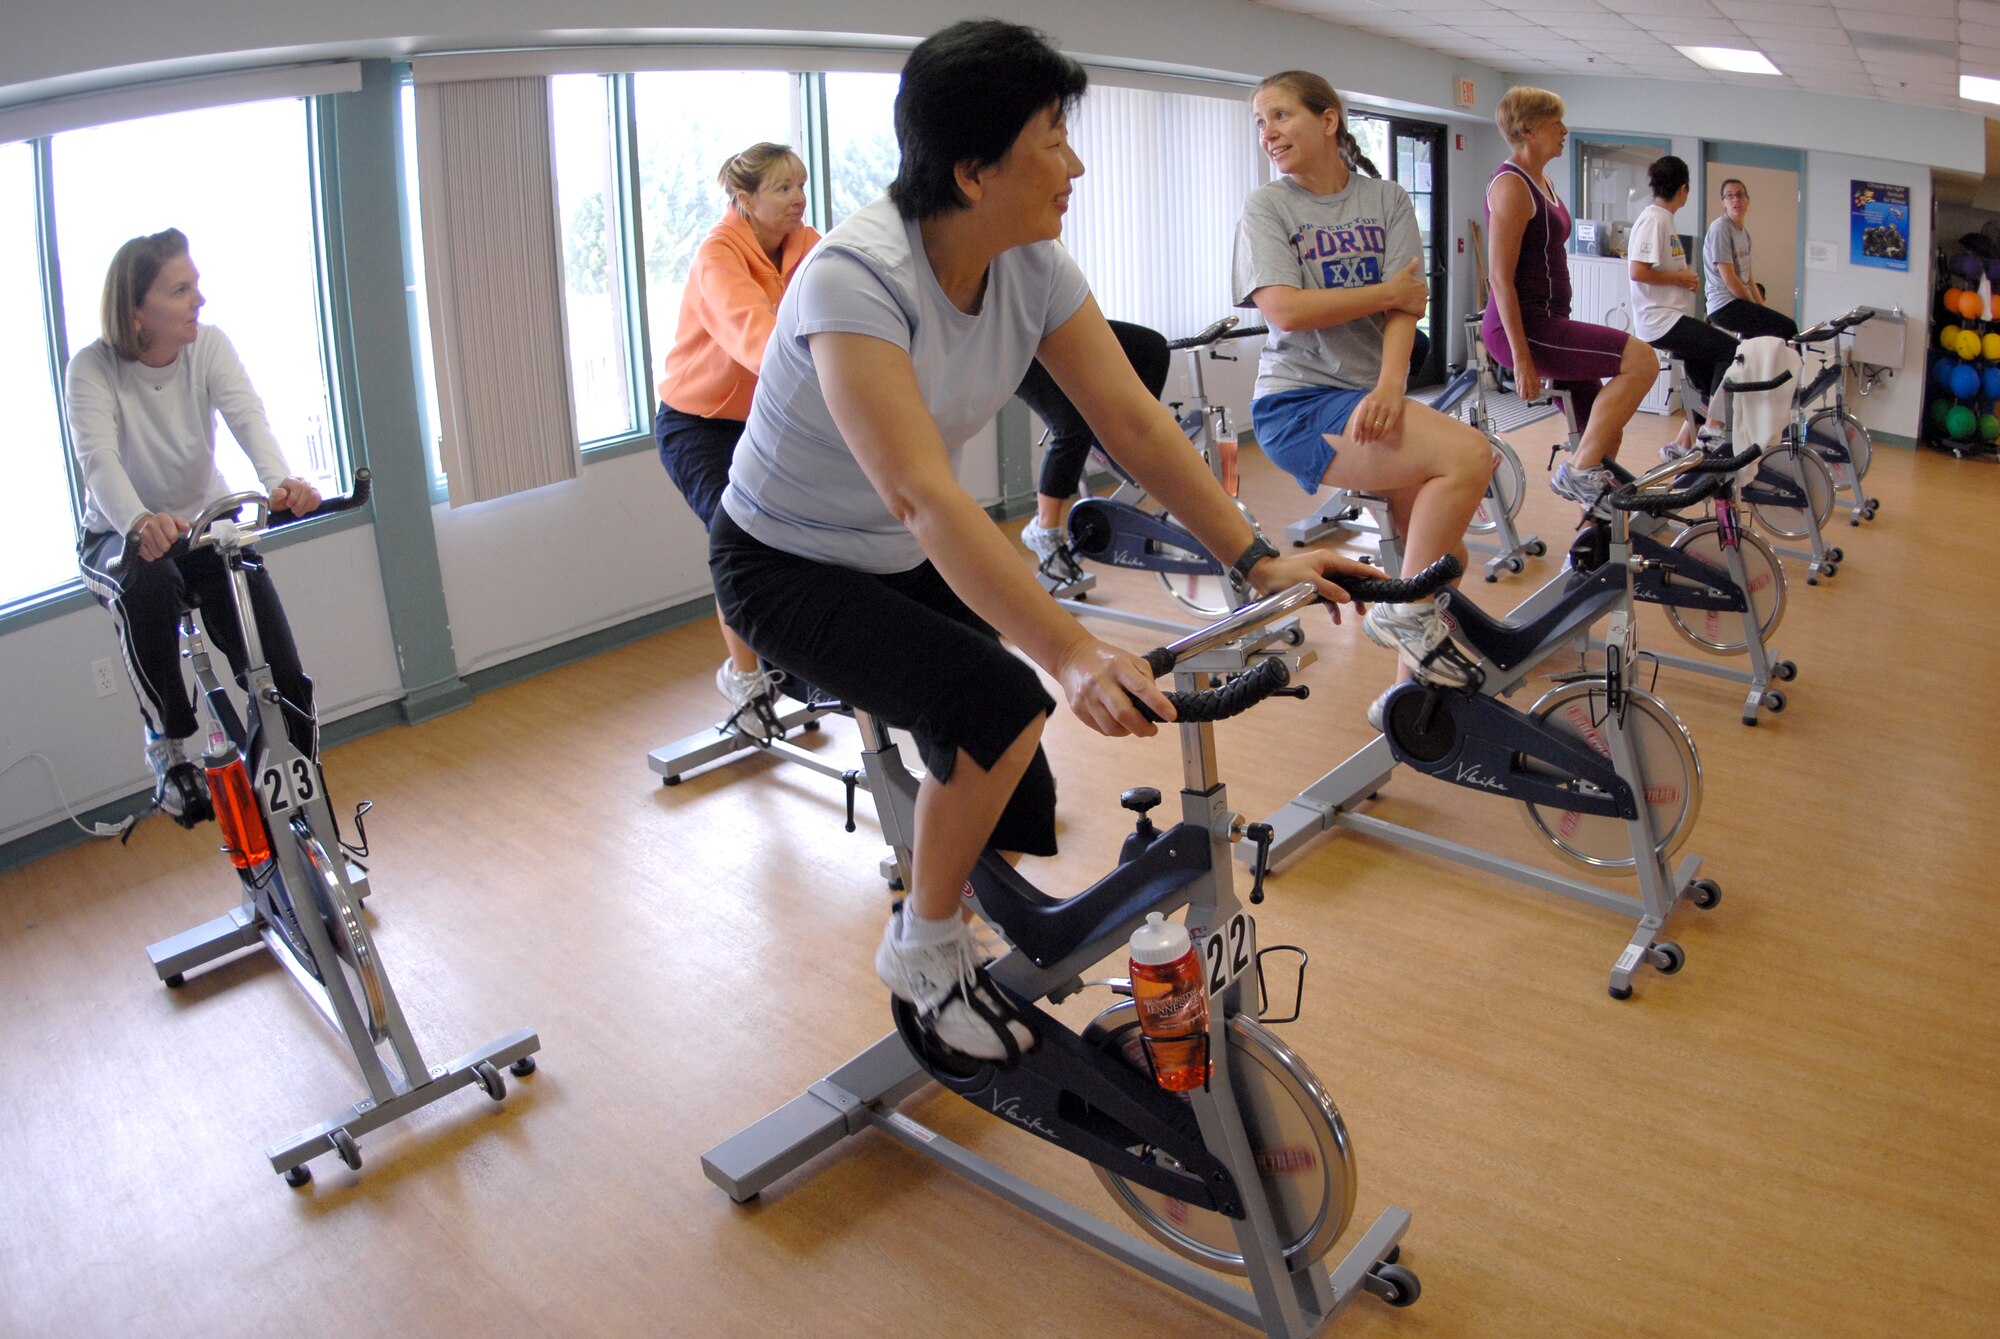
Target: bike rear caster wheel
[[489, 1079], [1666, 957], [1393, 1284], [1774, 701], [1704, 893], [349, 1151], [1785, 670]]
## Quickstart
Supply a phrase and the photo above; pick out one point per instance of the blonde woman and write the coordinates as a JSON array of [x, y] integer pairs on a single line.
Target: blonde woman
[[1527, 324], [727, 313]]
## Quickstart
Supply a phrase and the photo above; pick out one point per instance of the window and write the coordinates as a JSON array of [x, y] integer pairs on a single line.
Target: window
[[1611, 190], [42, 545], [419, 306], [588, 114], [239, 182], [861, 139], [689, 123], [1153, 219]]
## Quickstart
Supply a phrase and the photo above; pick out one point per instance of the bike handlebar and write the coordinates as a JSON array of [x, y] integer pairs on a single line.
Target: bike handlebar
[[1223, 329], [1745, 387], [1726, 464], [1246, 690], [1705, 486], [127, 557], [1839, 325]]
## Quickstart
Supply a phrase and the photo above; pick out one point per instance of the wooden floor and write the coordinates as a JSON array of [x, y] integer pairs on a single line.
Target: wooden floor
[[1796, 1136]]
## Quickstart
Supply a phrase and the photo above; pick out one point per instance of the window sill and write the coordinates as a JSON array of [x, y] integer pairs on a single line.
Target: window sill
[[69, 597]]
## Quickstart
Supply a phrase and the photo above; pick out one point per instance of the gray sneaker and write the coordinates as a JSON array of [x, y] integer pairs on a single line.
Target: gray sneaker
[[1378, 708], [742, 687], [941, 979], [1416, 633], [1586, 488], [1044, 541], [180, 789]]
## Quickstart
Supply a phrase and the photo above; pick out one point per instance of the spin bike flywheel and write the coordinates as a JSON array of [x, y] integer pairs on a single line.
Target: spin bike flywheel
[[1300, 1143], [1805, 471], [1210, 594], [1510, 483], [1711, 629], [1669, 775], [344, 927]]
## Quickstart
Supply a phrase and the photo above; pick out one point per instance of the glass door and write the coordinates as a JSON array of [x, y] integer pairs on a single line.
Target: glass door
[[1411, 154]]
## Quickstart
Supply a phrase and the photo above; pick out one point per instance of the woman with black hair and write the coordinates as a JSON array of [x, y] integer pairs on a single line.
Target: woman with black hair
[[848, 554], [1664, 286]]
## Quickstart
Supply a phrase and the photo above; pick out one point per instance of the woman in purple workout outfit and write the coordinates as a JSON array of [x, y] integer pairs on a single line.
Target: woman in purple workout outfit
[[1527, 324]]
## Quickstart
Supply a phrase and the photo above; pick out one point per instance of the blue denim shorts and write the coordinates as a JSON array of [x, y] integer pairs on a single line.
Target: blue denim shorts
[[1292, 428]]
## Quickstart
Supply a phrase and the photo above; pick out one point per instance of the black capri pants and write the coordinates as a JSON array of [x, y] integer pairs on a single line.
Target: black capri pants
[[1070, 438], [697, 452], [901, 646], [1707, 351]]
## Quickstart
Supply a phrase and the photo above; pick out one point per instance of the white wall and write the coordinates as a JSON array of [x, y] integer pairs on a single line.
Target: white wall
[[332, 588], [1896, 405]]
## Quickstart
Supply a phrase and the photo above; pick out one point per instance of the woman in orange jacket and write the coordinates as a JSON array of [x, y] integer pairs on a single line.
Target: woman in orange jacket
[[727, 311]]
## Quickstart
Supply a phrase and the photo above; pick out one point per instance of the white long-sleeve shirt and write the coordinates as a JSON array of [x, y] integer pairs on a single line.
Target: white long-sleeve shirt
[[145, 436]]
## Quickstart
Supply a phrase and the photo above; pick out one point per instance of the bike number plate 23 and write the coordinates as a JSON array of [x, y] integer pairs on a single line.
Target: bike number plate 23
[[1227, 952], [284, 787]]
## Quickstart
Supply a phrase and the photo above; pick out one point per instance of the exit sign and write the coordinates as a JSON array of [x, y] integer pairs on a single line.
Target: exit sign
[[1466, 92]]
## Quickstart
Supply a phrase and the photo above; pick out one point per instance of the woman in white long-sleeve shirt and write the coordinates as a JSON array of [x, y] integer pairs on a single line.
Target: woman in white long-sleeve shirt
[[142, 403]]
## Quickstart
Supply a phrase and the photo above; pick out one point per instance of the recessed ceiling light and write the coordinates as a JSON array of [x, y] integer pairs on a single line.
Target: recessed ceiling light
[[1978, 89], [1733, 60]]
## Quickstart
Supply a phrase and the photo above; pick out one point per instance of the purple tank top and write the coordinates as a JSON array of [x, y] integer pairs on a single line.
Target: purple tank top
[[1541, 274]]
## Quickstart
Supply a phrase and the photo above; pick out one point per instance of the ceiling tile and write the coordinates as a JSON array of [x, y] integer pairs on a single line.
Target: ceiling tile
[[1931, 29], [1679, 9], [1979, 11], [1580, 23], [1771, 11]]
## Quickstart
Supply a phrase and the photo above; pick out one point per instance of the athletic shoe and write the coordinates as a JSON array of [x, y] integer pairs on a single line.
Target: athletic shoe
[[180, 789], [742, 687], [1673, 450], [1378, 709], [1586, 488], [954, 1004], [1044, 541], [1416, 633]]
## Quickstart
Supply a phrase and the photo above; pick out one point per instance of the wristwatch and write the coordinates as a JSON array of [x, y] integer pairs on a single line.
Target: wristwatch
[[1260, 549]]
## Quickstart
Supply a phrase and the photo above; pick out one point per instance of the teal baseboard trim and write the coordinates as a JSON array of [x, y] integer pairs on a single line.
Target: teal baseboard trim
[[590, 644], [60, 836], [431, 701], [360, 723], [1892, 439], [1012, 508]]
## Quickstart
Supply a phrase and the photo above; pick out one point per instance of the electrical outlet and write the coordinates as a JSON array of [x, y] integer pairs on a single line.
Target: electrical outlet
[[105, 676]]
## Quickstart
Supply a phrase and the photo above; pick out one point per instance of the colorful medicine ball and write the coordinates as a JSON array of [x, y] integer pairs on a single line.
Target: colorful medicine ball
[[1938, 409], [1993, 269], [1968, 266], [1965, 381], [1948, 339], [1968, 344], [1989, 427], [1960, 422], [1969, 305], [1941, 371]]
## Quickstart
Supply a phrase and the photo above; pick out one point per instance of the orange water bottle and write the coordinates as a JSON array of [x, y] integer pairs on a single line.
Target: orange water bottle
[[1173, 1002], [236, 812]]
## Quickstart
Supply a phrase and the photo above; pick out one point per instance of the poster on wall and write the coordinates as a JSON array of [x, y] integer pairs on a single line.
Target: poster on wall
[[1880, 234]]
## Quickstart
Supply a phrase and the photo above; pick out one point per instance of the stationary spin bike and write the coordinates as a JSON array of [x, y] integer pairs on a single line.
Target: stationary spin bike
[[1604, 771], [300, 894], [1128, 529], [1251, 1174]]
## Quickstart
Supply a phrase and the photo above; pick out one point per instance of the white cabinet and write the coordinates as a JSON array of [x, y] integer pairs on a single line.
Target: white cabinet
[[1602, 295]]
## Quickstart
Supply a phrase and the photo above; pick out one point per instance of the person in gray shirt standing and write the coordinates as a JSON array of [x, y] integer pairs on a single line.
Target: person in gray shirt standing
[[1735, 298]]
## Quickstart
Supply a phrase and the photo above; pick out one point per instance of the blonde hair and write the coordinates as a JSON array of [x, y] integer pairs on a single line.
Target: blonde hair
[[746, 172], [133, 269], [1523, 110], [1319, 98]]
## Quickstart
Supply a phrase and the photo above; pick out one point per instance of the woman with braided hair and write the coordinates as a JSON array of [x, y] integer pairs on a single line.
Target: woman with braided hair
[[1333, 258]]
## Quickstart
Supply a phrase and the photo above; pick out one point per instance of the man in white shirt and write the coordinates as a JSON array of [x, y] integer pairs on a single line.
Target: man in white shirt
[[1735, 298], [1664, 288]]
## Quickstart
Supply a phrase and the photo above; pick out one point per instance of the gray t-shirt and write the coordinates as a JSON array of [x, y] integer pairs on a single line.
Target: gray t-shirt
[[1726, 244], [793, 483], [1292, 237]]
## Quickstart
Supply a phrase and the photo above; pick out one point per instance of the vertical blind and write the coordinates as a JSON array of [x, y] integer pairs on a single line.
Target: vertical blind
[[493, 263], [1152, 219]]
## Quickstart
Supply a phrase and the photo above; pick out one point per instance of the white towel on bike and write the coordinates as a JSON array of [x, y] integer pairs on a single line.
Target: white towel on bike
[[1759, 418]]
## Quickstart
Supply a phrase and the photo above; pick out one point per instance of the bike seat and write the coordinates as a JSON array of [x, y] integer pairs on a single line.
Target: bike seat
[[1048, 929], [1507, 643], [1455, 391]]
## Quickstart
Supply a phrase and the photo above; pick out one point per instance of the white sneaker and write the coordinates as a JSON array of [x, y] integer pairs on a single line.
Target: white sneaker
[[953, 1005], [1675, 450], [1377, 710], [1416, 633], [1586, 488], [742, 687], [1044, 541], [180, 789]]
